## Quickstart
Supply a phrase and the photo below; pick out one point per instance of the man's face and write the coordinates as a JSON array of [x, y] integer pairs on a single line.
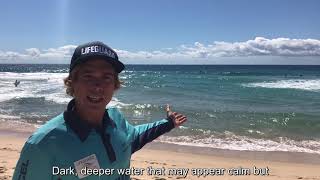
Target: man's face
[[94, 85]]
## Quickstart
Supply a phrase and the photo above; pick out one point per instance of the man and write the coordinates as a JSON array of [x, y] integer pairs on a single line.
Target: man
[[88, 141], [16, 83]]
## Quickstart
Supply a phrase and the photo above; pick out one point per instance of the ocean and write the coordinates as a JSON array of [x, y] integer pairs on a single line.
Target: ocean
[[236, 107]]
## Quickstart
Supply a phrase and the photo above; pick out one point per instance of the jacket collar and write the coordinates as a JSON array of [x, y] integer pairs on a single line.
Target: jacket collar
[[80, 126]]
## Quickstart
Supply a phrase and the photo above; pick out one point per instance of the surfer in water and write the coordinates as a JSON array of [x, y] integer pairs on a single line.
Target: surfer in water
[[16, 83], [87, 135]]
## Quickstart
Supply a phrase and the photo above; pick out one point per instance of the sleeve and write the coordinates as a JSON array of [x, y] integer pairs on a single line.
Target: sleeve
[[145, 133], [33, 164]]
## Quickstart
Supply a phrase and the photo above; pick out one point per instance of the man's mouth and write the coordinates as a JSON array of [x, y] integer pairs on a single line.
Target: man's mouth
[[95, 99]]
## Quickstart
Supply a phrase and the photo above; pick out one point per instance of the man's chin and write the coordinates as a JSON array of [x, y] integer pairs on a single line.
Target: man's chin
[[96, 106]]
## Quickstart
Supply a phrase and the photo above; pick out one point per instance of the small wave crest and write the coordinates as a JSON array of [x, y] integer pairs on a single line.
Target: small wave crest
[[32, 76], [115, 102], [242, 143], [302, 84]]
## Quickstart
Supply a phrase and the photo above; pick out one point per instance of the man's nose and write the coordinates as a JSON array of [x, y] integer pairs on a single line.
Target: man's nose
[[97, 84]]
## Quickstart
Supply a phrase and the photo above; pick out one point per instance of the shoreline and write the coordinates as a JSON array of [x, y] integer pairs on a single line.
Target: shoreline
[[274, 156], [281, 165], [26, 129]]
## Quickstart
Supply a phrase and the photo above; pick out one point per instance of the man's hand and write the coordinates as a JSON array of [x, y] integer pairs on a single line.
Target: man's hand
[[177, 118]]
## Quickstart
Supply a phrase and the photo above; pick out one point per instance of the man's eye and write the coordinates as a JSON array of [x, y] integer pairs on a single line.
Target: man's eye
[[107, 78], [87, 76]]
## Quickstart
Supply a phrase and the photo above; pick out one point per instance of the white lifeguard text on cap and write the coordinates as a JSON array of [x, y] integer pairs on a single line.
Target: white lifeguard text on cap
[[98, 49]]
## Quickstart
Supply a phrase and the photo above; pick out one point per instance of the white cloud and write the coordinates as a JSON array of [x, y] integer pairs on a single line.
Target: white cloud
[[260, 46], [33, 52], [60, 52], [257, 47], [11, 55]]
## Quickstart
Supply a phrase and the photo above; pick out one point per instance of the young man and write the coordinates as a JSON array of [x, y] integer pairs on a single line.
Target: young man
[[88, 141]]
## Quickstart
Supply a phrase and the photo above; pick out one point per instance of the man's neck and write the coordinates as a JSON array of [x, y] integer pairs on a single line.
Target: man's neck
[[94, 118]]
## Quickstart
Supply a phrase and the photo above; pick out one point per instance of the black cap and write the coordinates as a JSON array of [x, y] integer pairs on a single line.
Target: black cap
[[98, 49]]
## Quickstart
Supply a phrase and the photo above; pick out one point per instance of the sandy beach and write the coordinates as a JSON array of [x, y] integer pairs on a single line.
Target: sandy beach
[[166, 161]]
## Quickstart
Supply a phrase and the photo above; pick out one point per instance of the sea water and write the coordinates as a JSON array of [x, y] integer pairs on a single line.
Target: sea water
[[238, 107]]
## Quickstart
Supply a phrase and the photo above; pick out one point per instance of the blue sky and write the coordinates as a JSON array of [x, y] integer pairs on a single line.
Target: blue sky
[[164, 32]]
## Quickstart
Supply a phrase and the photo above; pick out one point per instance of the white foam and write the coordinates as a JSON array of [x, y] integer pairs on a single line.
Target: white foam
[[242, 143], [32, 76], [143, 106], [5, 117], [303, 84], [117, 103], [33, 85], [61, 98]]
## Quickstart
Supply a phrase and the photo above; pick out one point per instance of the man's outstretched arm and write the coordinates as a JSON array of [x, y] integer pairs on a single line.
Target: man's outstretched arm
[[145, 133]]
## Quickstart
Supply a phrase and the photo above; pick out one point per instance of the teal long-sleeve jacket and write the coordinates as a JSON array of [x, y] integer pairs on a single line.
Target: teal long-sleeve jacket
[[67, 148]]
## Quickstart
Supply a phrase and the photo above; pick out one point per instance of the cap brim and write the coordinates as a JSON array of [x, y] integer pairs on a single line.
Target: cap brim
[[118, 65]]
